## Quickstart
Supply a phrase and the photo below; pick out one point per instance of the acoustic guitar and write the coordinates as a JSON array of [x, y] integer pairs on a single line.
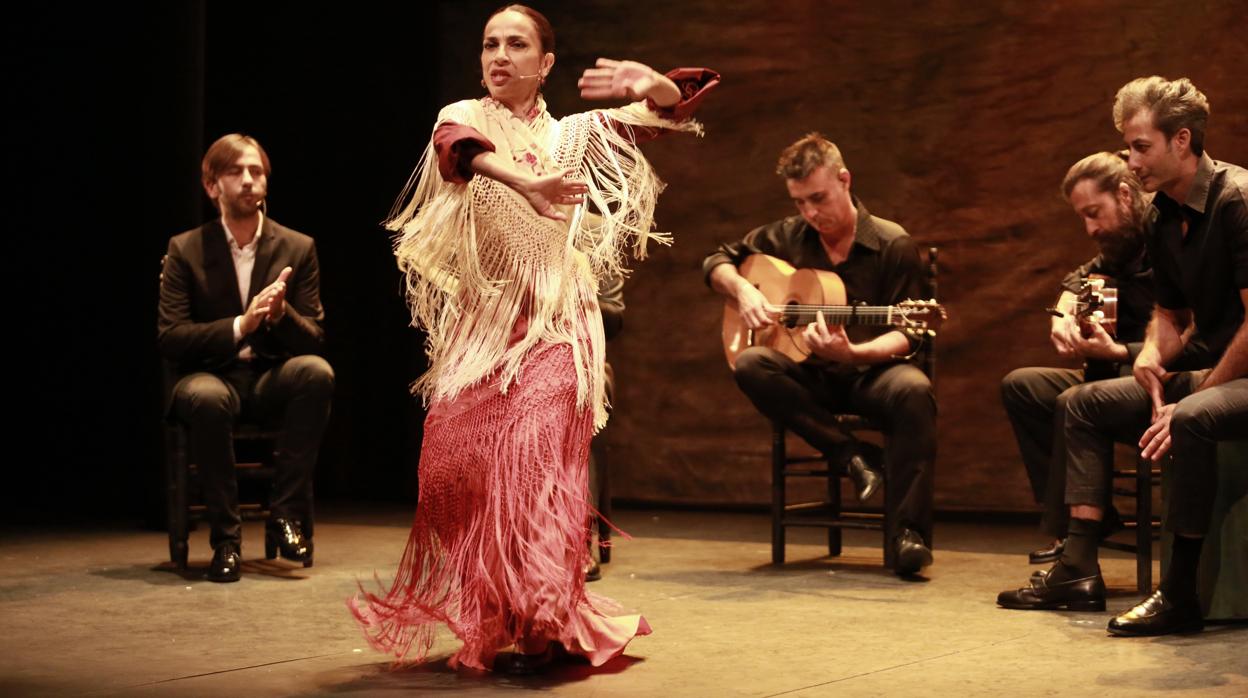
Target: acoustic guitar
[[795, 295], [1097, 304]]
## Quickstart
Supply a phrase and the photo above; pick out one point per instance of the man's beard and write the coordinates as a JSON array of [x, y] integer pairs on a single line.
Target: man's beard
[[239, 208], [1124, 245]]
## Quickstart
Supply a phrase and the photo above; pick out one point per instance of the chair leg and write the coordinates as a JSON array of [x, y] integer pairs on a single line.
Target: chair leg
[[777, 494], [890, 550], [604, 506], [834, 509], [176, 468], [1144, 526]]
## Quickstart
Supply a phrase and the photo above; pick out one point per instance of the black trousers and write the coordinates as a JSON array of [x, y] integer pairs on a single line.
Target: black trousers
[[1120, 409], [898, 396], [1035, 402], [295, 394]]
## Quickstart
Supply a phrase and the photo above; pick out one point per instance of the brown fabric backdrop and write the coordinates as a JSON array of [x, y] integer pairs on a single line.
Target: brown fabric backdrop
[[957, 121]]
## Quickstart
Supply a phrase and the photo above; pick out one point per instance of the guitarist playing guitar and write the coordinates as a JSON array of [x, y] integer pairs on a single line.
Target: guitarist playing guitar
[[1099, 319], [842, 366]]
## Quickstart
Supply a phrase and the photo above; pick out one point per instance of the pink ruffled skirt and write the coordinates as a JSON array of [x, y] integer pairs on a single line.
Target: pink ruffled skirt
[[501, 538]]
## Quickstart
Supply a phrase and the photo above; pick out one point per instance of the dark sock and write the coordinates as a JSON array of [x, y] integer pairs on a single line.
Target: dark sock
[[1180, 581], [1079, 559]]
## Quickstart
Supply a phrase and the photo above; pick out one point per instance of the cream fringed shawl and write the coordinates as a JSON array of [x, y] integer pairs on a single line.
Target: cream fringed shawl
[[478, 258]]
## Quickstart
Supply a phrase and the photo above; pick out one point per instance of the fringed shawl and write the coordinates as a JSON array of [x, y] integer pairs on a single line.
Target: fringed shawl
[[488, 278]]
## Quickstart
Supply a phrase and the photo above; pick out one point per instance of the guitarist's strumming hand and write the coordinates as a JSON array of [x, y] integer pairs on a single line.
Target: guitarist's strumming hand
[[829, 342], [1099, 345], [753, 306]]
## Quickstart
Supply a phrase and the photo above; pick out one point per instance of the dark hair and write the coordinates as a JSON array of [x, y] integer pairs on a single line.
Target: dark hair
[[545, 32], [807, 154]]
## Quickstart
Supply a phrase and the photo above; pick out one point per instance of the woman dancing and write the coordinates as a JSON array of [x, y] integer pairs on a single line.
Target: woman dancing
[[503, 231]]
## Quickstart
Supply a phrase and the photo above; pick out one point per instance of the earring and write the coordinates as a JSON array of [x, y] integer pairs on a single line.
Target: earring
[[482, 82]]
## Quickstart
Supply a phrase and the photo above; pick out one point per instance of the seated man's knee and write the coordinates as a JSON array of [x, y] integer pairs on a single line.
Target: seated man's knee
[[1190, 419], [915, 385], [205, 396], [1086, 400], [1015, 387], [1063, 398], [912, 395], [754, 365], [312, 374]]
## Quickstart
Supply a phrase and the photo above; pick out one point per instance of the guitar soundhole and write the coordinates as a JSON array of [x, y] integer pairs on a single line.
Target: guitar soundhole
[[790, 316]]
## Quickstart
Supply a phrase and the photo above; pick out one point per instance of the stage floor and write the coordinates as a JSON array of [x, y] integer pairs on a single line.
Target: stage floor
[[98, 611]]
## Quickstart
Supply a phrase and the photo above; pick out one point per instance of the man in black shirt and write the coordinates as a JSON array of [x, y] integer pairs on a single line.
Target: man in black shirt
[[1199, 248], [859, 370], [1117, 216]]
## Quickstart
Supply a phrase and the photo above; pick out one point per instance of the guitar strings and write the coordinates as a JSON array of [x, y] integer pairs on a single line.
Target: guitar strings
[[866, 313]]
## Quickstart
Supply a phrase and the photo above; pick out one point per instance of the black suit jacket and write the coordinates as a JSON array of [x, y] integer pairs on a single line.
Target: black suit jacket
[[199, 298]]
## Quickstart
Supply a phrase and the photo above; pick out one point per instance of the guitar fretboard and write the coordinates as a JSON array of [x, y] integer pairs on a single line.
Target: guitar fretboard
[[840, 314]]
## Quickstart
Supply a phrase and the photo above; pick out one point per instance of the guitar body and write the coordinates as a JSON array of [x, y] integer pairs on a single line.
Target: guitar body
[[782, 285], [1097, 304]]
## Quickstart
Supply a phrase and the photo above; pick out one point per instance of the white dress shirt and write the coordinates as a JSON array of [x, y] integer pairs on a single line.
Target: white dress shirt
[[244, 263]]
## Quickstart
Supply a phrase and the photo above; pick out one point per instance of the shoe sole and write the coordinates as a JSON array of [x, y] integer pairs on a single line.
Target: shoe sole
[[1094, 605], [1043, 559], [1190, 629]]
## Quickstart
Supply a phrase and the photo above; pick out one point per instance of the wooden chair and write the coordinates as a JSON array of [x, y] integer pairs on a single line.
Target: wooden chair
[[254, 462], [1137, 482]]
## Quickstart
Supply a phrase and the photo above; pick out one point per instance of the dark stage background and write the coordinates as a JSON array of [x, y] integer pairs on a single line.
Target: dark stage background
[[957, 120]]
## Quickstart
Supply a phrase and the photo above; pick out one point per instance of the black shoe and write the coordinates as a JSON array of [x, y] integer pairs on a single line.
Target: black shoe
[[865, 478], [285, 536], [912, 554], [225, 563], [1047, 555], [592, 571], [1158, 615], [517, 664], [1086, 594], [1037, 575]]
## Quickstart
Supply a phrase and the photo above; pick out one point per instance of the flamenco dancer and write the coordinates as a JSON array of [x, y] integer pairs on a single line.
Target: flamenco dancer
[[503, 232]]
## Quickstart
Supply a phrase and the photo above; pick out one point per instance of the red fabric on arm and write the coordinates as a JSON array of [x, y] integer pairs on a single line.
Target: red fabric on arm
[[456, 146]]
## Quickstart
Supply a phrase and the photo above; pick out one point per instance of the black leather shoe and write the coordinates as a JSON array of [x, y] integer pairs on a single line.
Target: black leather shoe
[[225, 563], [912, 554], [517, 664], [592, 571], [286, 537], [1158, 615], [1047, 555], [1086, 594], [865, 478], [1038, 575]]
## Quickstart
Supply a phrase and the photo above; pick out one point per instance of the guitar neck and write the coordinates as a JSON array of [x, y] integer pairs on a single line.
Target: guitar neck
[[880, 315]]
